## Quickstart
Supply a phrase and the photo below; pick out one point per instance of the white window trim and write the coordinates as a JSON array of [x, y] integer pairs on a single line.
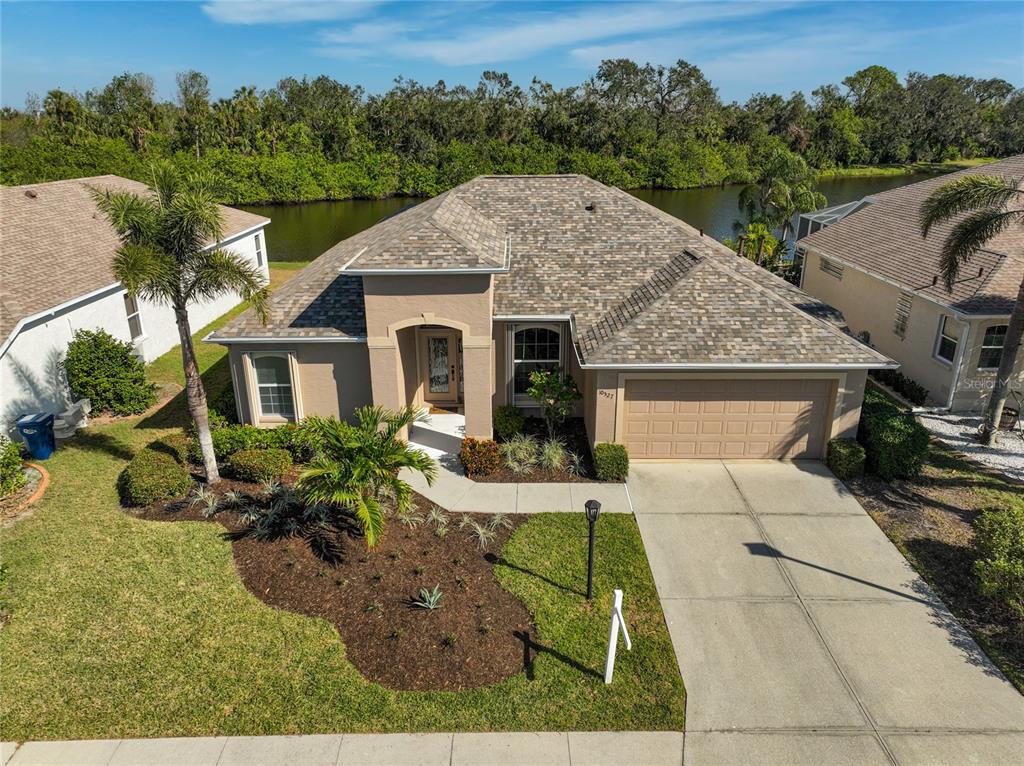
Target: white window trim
[[984, 331], [138, 315], [255, 407], [259, 249], [522, 400], [938, 341]]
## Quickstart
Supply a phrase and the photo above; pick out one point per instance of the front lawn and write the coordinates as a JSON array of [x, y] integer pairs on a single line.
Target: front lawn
[[931, 520], [123, 627]]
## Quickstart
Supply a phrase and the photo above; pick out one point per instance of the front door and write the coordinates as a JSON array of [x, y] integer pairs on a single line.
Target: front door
[[441, 368]]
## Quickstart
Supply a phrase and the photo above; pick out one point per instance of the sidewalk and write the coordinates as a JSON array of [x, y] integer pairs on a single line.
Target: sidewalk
[[535, 749], [453, 491]]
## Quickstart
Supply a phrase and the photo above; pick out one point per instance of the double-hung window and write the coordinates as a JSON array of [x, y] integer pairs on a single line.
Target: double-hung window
[[131, 309], [259, 250], [992, 347], [945, 347], [534, 347], [274, 385]]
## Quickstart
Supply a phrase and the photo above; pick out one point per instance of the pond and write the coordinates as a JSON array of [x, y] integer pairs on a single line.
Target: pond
[[302, 232]]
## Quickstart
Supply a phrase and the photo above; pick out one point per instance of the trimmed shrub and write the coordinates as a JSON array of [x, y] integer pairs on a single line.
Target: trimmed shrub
[[846, 458], [12, 477], [999, 544], [520, 453], [895, 443], [480, 457], [508, 421], [103, 369], [153, 474], [261, 465], [909, 389], [176, 445], [611, 461], [223, 405], [228, 439]]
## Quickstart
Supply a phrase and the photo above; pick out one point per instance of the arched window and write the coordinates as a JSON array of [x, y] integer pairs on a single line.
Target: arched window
[[992, 347], [534, 347]]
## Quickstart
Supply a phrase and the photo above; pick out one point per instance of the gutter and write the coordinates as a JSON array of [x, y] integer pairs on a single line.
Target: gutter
[[283, 340]]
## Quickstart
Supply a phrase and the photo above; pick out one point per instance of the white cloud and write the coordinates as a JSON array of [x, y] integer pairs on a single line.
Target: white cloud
[[283, 11]]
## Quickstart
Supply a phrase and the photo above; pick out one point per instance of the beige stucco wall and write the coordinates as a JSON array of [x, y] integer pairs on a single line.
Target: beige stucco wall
[[463, 302], [869, 304], [975, 385], [329, 378]]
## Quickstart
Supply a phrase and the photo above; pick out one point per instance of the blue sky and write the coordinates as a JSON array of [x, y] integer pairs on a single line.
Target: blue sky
[[743, 47]]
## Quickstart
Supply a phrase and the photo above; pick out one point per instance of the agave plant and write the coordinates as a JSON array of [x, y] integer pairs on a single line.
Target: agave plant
[[429, 599], [359, 464]]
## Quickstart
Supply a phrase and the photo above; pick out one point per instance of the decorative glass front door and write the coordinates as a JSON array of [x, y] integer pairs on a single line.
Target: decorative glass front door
[[437, 364], [442, 373]]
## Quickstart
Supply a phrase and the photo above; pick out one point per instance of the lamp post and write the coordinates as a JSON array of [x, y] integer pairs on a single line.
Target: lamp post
[[593, 509]]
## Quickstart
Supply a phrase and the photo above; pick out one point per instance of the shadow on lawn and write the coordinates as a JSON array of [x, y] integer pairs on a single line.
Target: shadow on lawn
[[493, 558], [91, 440], [531, 649], [174, 414]]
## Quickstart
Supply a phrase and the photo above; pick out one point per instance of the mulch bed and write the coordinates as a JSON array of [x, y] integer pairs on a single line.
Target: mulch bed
[[574, 436], [930, 519], [479, 636]]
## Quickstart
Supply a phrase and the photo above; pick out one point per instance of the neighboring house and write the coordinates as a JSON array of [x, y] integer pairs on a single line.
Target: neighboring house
[[868, 259], [680, 348], [57, 252]]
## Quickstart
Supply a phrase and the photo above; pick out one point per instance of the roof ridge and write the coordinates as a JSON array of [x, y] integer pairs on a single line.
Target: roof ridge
[[648, 293], [457, 236]]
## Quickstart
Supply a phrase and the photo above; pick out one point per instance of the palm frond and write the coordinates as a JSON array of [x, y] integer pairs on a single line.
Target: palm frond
[[165, 181], [146, 271], [371, 519], [968, 193], [970, 235], [219, 271], [135, 219]]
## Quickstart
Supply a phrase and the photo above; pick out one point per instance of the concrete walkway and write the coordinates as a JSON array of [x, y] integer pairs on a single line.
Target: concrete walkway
[[802, 633], [516, 749], [452, 490]]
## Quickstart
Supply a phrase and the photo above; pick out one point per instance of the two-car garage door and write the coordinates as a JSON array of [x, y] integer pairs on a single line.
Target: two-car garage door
[[722, 418]]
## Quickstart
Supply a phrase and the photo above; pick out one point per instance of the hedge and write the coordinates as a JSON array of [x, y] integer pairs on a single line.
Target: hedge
[[229, 439], [846, 458], [261, 465], [999, 544], [12, 476], [480, 457], [105, 370], [909, 389], [611, 461], [153, 474], [896, 444]]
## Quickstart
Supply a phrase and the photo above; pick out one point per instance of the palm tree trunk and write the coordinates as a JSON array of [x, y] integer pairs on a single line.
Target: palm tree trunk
[[196, 395], [1007, 365]]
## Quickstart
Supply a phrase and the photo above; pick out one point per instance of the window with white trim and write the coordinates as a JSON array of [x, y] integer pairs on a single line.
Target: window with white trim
[[131, 308], [259, 250], [945, 347], [274, 385], [992, 347], [534, 347], [902, 318], [831, 268]]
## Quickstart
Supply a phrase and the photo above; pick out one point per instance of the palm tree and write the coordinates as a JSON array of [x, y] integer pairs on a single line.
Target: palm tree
[[784, 186], [168, 255], [985, 206], [357, 466]]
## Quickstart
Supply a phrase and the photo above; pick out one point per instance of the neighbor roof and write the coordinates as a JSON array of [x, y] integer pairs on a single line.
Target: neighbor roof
[[642, 286], [884, 239], [56, 246]]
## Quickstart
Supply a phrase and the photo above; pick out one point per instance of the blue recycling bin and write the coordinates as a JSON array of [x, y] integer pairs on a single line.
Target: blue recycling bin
[[36, 430]]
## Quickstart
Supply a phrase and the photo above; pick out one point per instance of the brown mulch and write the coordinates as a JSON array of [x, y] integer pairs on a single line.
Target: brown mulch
[[931, 520], [573, 435], [476, 638]]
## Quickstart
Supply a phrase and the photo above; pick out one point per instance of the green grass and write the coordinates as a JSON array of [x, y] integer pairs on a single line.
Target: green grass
[[872, 171], [128, 628]]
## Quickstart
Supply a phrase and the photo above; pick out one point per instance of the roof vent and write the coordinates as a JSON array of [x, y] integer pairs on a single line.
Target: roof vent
[[589, 207], [30, 194], [981, 271]]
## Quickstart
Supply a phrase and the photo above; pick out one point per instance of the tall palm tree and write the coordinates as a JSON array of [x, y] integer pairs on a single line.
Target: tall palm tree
[[985, 206], [169, 255], [784, 186], [357, 466]]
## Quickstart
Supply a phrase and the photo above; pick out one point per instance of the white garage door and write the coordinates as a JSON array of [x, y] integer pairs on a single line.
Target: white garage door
[[704, 418]]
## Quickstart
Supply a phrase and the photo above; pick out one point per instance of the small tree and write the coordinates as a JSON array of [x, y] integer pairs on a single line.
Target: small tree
[[357, 468], [104, 370], [556, 393]]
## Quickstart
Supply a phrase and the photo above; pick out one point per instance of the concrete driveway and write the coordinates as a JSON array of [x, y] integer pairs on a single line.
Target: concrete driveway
[[802, 634]]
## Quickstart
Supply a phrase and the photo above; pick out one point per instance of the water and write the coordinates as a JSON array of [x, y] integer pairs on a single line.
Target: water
[[302, 232]]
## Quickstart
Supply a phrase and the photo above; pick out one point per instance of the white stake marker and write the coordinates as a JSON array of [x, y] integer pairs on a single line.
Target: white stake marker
[[618, 623]]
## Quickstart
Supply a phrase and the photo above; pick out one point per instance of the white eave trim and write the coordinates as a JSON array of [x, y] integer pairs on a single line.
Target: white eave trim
[[721, 366], [284, 340], [420, 272], [531, 318], [232, 237]]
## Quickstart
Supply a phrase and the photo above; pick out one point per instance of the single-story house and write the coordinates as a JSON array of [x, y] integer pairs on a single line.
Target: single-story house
[[57, 252], [680, 348], [868, 259]]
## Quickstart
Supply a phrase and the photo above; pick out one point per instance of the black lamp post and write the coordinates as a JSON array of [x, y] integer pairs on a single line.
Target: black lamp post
[[593, 509]]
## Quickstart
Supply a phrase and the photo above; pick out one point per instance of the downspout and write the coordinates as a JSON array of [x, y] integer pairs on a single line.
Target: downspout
[[957, 368]]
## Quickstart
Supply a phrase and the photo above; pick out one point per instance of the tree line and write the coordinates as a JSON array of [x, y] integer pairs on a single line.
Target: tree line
[[629, 125]]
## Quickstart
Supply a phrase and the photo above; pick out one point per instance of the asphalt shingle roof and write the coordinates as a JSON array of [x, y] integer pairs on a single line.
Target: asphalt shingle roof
[[884, 238], [642, 286], [56, 246]]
